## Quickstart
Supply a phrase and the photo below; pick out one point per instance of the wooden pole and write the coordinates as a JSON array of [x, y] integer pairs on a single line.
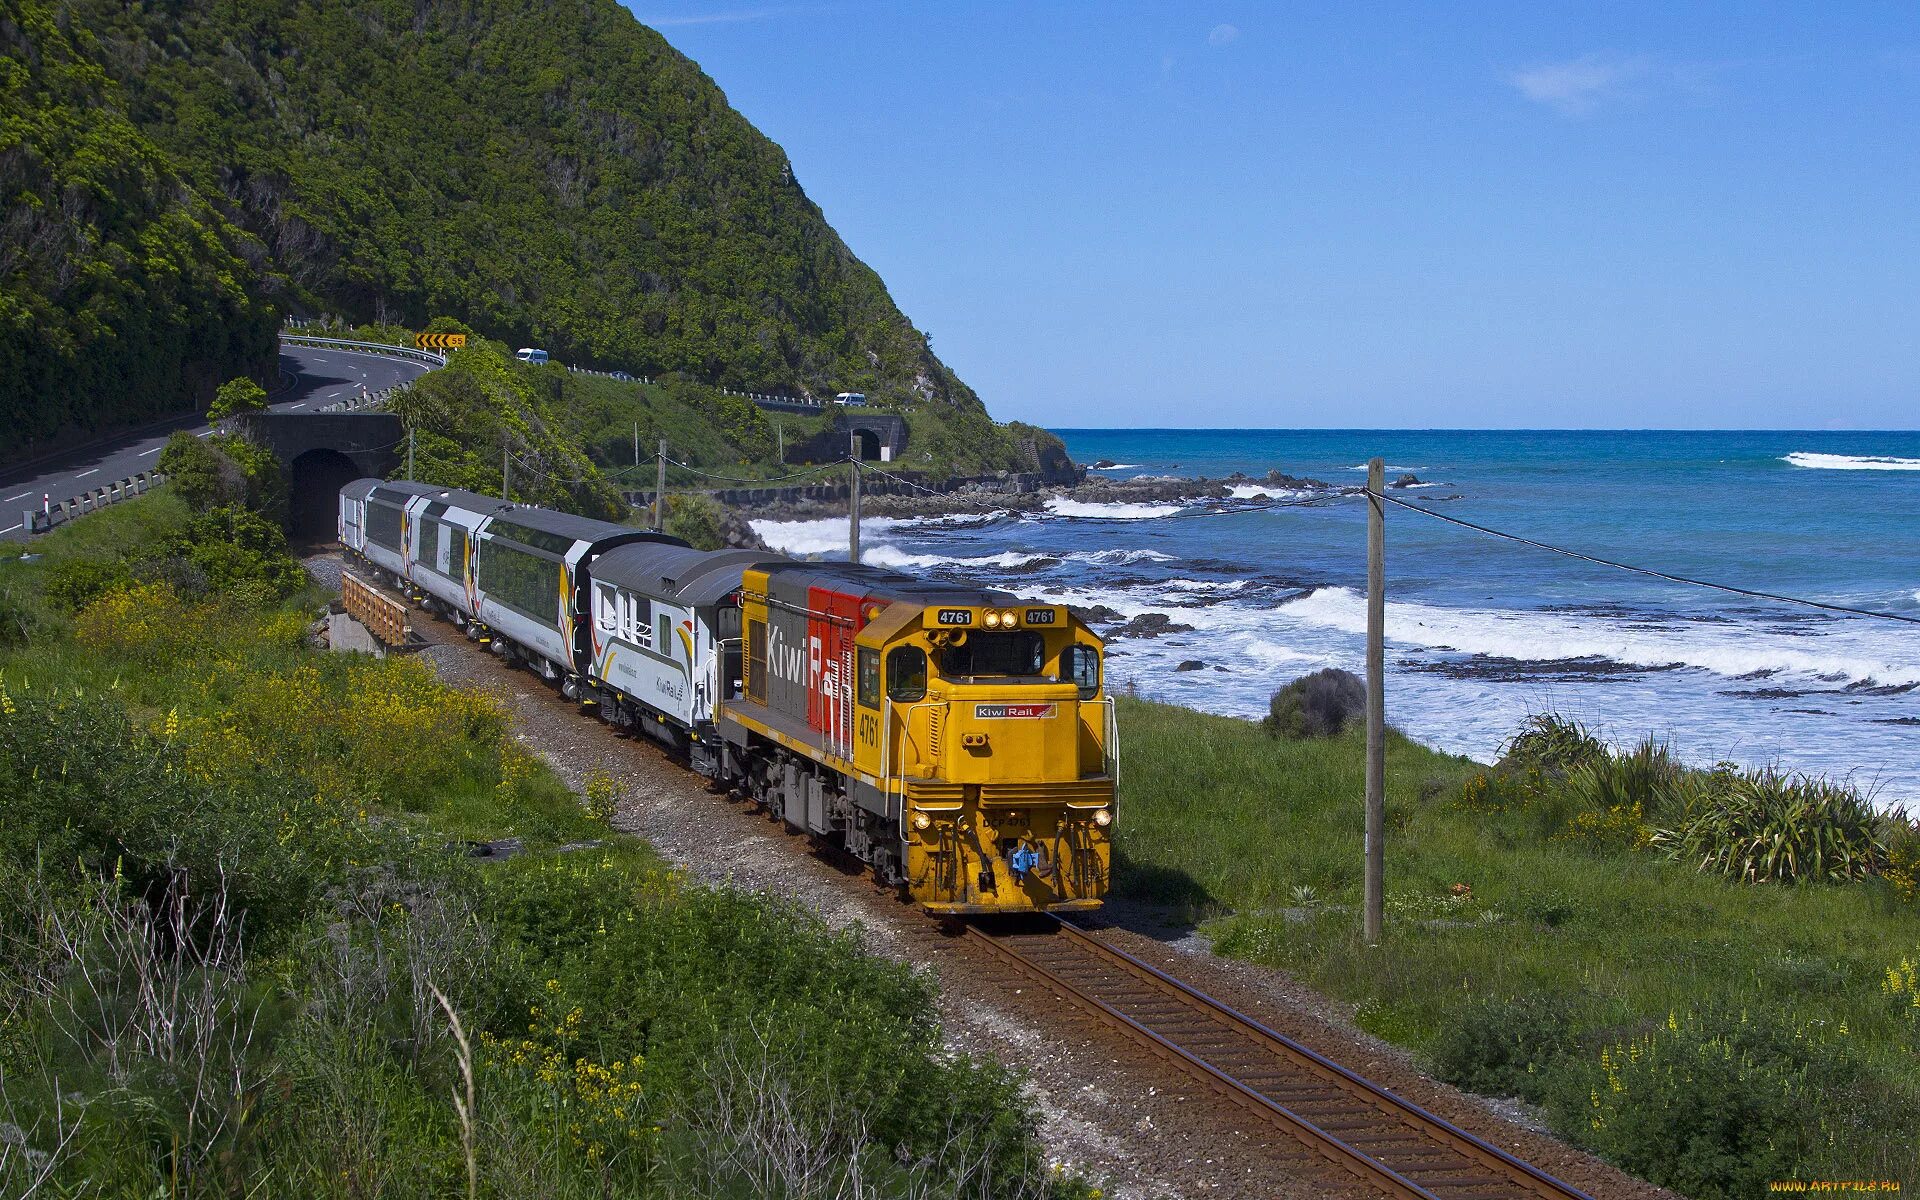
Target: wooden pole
[[1375, 894], [636, 443], [660, 486], [409, 454], [853, 501], [506, 479]]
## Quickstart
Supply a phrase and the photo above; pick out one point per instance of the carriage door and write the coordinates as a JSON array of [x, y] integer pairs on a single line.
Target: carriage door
[[726, 631]]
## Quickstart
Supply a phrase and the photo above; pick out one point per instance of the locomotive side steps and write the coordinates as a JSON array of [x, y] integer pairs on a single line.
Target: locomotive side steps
[[1388, 1142]]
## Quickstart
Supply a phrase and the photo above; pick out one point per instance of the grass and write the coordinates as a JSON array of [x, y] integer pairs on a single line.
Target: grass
[[1232, 822]]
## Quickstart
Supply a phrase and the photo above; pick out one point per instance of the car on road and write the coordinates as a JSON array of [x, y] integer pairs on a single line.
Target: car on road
[[529, 354], [620, 375]]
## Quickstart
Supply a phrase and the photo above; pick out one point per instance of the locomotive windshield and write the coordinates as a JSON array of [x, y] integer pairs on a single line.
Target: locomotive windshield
[[1016, 653]]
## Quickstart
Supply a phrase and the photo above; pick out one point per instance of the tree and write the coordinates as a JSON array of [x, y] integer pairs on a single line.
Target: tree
[[237, 396], [200, 474]]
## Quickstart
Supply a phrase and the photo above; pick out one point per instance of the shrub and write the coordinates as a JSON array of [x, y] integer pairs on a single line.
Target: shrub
[[1554, 744], [1902, 837], [236, 396], [199, 474], [1769, 826], [1616, 793], [91, 791], [240, 551], [696, 520], [1503, 1047], [74, 583], [1710, 1105], [602, 797], [1316, 705], [265, 483]]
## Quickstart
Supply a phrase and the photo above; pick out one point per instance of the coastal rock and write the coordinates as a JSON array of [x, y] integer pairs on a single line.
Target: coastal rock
[[1099, 614], [1150, 625], [1279, 478], [1406, 481], [1192, 664], [1105, 464]]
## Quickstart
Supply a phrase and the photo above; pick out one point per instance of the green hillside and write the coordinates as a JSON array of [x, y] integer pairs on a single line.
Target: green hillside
[[553, 175], [124, 294]]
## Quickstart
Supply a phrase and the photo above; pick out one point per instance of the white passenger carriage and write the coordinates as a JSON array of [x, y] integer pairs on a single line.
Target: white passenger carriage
[[515, 574], [665, 638]]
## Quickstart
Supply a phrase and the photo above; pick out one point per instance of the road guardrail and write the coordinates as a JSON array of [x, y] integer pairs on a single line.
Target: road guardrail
[[325, 343], [44, 518]]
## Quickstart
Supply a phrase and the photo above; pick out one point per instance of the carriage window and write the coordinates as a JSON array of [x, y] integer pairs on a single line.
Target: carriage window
[[1080, 666], [907, 674], [383, 525], [456, 551], [523, 581], [1019, 653], [665, 643], [633, 620], [609, 605], [869, 677]]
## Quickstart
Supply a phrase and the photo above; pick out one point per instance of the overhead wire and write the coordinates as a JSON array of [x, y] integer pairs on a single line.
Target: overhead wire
[[811, 471], [1670, 577]]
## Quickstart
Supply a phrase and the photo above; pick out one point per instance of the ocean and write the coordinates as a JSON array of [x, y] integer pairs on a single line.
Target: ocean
[[1483, 632]]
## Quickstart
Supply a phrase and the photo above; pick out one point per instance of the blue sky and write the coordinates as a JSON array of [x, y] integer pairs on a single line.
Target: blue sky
[[1367, 214]]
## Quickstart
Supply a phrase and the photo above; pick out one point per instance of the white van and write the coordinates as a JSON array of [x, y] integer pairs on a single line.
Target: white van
[[528, 354], [853, 398]]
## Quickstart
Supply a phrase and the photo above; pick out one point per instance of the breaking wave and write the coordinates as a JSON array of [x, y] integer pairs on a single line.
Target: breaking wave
[[900, 560], [1850, 462], [1060, 507], [1729, 650], [1117, 558]]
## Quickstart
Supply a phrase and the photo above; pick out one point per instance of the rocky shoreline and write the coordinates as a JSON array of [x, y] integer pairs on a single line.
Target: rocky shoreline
[[981, 500]]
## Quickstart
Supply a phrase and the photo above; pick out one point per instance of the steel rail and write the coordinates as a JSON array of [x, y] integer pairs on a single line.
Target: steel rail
[[1433, 1135]]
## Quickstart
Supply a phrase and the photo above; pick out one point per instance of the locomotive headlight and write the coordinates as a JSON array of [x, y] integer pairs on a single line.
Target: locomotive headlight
[[991, 620], [1010, 618], [921, 820], [1103, 817]]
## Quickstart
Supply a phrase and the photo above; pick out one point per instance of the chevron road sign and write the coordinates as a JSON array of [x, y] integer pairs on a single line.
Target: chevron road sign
[[440, 341]]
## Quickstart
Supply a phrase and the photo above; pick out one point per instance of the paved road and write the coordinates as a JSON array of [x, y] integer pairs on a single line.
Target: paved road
[[319, 378]]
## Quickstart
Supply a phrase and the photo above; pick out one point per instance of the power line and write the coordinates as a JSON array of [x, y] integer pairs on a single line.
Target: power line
[[820, 470], [1648, 571]]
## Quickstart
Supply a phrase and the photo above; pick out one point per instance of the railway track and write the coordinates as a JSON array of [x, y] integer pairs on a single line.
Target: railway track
[[1391, 1144]]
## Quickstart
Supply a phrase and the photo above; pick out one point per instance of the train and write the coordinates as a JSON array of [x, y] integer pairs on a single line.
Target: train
[[958, 740]]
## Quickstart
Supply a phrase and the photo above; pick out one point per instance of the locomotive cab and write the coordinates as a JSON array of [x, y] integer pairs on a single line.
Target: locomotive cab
[[989, 728]]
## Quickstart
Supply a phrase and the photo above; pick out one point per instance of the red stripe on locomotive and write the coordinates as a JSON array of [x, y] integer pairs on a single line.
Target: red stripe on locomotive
[[831, 628]]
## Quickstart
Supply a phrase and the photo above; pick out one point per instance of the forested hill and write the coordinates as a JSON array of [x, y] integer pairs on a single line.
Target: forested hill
[[124, 293], [552, 174]]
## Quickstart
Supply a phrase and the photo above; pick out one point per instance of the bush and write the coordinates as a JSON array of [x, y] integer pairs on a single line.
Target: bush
[[200, 474], [76, 582], [1902, 838], [696, 520], [236, 396], [1553, 744], [1317, 705], [1712, 1106], [239, 551], [1503, 1047], [1769, 826], [1616, 794]]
